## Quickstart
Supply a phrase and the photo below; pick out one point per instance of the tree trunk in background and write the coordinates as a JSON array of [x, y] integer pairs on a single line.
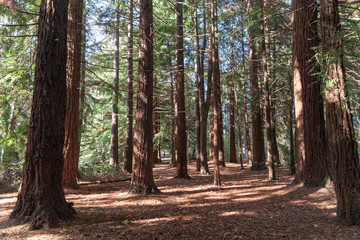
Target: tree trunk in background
[[181, 165], [267, 92], [291, 120], [258, 162], [142, 180], [173, 126], [73, 76], [217, 92], [309, 112], [41, 200], [156, 124], [204, 104], [82, 118], [342, 146], [197, 89], [114, 141], [232, 103], [246, 118], [130, 93]]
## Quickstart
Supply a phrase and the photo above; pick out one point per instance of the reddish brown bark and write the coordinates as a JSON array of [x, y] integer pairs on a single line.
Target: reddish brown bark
[[173, 125], [309, 112], [41, 200], [142, 180], [232, 152], [73, 76], [258, 160], [181, 167], [342, 145], [130, 93], [156, 125]]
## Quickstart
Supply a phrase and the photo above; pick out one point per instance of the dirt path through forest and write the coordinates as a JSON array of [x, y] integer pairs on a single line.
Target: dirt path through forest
[[245, 206]]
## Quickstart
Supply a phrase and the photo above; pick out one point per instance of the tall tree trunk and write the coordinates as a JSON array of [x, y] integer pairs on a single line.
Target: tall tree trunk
[[82, 121], [114, 141], [73, 76], [246, 118], [130, 92], [156, 123], [217, 93], [342, 146], [258, 162], [267, 92], [204, 104], [181, 168], [173, 125], [41, 200], [197, 88], [291, 120], [232, 106], [309, 112], [142, 180]]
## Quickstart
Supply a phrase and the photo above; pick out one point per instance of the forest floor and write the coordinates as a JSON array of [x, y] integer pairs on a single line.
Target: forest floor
[[246, 206]]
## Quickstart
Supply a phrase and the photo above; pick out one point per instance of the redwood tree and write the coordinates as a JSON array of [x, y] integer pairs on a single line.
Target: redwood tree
[[73, 76], [341, 141], [41, 200], [181, 164], [309, 112], [258, 160], [142, 180], [114, 141], [130, 93]]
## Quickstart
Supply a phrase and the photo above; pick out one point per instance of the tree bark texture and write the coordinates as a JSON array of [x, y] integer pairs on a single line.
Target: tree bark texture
[[232, 107], [130, 93], [114, 141], [41, 200], [267, 91], [142, 180], [342, 146], [156, 124], [181, 167], [258, 162], [73, 76], [173, 125], [217, 94], [310, 126]]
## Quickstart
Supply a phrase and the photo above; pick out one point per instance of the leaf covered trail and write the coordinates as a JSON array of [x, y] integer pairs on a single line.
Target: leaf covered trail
[[245, 206]]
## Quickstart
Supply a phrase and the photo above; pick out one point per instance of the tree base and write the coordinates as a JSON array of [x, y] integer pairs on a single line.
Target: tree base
[[184, 176], [258, 167], [143, 190], [42, 216]]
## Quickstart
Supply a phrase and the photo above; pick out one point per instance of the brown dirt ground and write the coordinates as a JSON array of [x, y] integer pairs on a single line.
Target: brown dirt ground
[[245, 206]]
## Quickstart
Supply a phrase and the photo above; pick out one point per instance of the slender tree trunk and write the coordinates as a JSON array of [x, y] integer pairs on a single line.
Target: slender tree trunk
[[217, 93], [114, 141], [73, 76], [82, 121], [41, 200], [142, 180], [197, 89], [246, 118], [173, 125], [256, 109], [267, 92], [342, 145], [156, 123], [130, 93], [310, 131], [204, 104], [232, 106], [181, 167], [291, 120]]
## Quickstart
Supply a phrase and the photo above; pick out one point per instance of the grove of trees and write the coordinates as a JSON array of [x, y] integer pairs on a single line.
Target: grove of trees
[[101, 87]]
